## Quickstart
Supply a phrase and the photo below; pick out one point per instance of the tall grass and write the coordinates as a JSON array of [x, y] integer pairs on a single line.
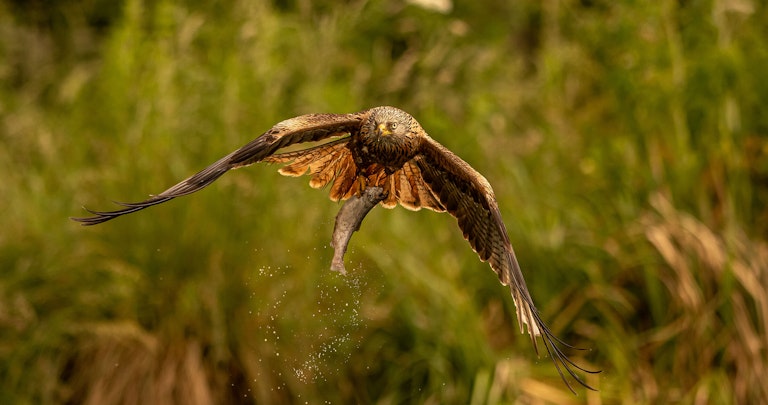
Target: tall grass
[[626, 144]]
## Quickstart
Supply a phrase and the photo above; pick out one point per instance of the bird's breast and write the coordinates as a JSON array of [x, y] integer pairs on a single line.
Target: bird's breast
[[388, 152]]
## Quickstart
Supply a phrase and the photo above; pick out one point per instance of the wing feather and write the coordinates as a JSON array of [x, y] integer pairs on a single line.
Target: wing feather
[[404, 189], [468, 196], [344, 177], [322, 162], [391, 186], [406, 186], [304, 128], [327, 163], [335, 164]]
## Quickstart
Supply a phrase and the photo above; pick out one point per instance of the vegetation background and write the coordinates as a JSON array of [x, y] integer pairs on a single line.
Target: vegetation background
[[627, 143]]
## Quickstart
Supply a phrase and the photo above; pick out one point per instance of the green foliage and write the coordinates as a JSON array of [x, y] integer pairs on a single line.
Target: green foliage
[[626, 142]]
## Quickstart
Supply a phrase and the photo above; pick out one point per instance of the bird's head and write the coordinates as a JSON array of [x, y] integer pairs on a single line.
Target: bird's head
[[390, 123]]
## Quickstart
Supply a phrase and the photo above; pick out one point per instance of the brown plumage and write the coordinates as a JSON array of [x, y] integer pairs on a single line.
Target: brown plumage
[[385, 147]]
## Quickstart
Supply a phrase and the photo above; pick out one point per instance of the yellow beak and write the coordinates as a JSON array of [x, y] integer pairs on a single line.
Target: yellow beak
[[383, 130]]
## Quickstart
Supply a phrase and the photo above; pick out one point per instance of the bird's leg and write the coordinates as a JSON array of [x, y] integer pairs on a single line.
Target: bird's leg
[[348, 221], [361, 184]]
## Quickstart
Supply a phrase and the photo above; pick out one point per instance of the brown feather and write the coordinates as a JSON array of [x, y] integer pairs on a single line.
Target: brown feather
[[344, 179], [340, 161]]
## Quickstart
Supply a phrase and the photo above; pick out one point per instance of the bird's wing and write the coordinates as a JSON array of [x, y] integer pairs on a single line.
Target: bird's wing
[[304, 128], [468, 196]]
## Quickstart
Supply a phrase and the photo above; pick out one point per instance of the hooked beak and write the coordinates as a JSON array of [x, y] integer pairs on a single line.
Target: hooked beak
[[382, 130]]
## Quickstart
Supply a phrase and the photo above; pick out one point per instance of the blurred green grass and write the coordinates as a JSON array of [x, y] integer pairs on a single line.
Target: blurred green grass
[[627, 145]]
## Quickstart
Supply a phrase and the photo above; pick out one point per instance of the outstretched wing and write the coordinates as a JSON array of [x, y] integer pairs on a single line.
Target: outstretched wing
[[468, 196], [304, 128]]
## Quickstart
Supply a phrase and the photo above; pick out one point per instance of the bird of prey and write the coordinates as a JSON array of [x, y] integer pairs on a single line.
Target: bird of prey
[[385, 149]]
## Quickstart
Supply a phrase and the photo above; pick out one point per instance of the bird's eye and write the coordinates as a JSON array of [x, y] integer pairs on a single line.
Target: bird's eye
[[392, 126]]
